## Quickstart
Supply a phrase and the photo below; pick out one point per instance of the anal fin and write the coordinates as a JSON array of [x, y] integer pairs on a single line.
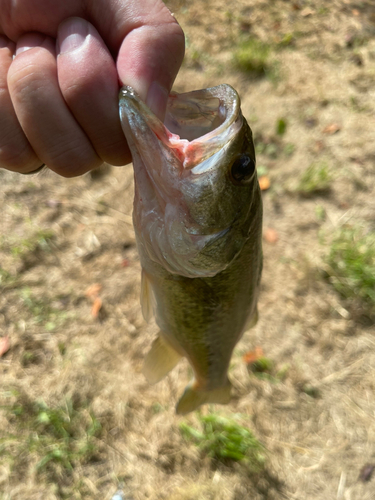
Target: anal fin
[[192, 398], [159, 361]]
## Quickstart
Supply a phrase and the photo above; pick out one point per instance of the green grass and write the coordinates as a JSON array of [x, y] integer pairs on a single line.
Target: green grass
[[5, 277], [194, 58], [27, 250], [263, 368], [37, 241], [272, 146], [351, 265], [316, 179], [288, 40], [42, 311], [47, 439], [262, 170], [311, 391], [267, 147], [320, 213], [289, 149], [252, 57], [225, 440], [262, 365], [281, 126]]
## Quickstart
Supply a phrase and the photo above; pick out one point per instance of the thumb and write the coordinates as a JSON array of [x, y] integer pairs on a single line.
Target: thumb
[[151, 55]]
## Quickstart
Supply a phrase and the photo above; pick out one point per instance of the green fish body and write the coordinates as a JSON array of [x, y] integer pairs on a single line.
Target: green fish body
[[198, 223]]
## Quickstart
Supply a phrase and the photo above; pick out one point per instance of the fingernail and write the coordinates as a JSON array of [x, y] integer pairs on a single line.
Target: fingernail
[[157, 97], [71, 34], [19, 50], [30, 41]]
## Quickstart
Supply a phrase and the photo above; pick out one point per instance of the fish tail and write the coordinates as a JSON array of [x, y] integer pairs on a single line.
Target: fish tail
[[192, 398], [159, 361]]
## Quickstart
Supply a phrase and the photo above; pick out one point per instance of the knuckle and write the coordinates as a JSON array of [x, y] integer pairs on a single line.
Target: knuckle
[[115, 153], [18, 157], [27, 78], [73, 161]]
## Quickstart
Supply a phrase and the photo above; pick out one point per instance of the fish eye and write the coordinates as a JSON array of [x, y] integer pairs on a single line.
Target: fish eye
[[243, 169]]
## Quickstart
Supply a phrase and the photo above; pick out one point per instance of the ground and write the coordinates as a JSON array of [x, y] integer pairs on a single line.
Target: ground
[[77, 418]]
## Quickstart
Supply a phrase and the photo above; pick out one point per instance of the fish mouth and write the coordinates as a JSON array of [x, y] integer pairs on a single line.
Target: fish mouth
[[197, 124], [198, 127]]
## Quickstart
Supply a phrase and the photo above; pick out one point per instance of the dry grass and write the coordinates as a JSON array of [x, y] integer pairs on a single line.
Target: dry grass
[[72, 395]]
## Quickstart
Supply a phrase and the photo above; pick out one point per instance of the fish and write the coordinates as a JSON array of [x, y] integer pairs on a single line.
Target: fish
[[198, 224]]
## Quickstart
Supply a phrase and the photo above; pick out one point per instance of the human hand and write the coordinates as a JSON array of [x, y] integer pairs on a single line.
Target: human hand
[[59, 95]]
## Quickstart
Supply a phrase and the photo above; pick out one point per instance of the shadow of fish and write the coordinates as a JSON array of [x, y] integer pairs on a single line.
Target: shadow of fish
[[198, 222]]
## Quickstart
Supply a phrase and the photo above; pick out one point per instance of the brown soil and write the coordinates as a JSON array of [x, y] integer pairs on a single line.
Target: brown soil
[[58, 237]]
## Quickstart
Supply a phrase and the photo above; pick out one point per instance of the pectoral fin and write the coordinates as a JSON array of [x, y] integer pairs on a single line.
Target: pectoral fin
[[192, 398], [147, 297], [159, 361]]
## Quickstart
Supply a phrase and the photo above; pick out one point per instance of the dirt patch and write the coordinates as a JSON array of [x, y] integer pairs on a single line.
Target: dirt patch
[[77, 419]]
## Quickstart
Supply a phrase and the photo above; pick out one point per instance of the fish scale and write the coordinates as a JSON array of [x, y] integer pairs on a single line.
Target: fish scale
[[198, 224]]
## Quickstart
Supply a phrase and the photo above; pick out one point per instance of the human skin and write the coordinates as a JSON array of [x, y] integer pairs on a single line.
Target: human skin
[[59, 94]]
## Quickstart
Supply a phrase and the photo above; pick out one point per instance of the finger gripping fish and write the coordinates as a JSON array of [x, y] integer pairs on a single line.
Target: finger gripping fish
[[198, 222]]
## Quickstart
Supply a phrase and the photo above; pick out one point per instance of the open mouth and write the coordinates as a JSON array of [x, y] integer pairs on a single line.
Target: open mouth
[[197, 124], [193, 115]]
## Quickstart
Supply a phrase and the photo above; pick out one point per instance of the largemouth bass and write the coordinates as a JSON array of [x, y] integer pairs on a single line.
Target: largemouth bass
[[198, 222]]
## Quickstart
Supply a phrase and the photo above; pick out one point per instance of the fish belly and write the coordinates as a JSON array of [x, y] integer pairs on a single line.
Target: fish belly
[[202, 319]]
